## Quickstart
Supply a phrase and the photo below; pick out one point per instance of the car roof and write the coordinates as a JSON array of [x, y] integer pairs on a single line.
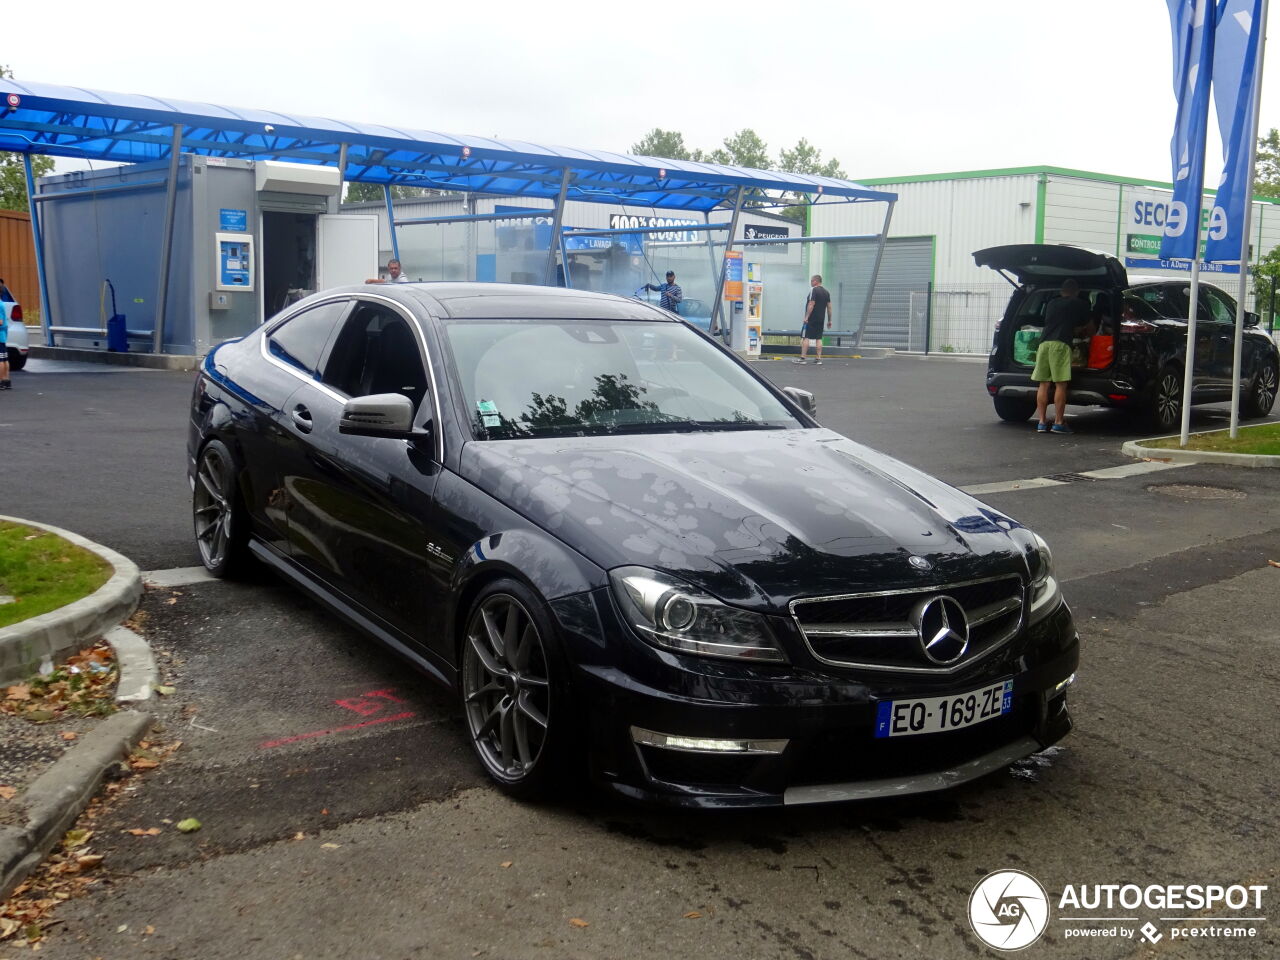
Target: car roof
[[452, 300]]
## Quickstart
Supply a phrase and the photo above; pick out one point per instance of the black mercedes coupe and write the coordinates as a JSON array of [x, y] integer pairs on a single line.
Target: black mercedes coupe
[[625, 551]]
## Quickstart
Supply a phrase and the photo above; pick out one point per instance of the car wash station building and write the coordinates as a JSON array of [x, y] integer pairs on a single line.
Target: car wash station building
[[197, 222], [931, 296]]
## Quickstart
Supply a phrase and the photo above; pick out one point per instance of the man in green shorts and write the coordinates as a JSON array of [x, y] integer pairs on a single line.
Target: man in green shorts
[[1062, 318]]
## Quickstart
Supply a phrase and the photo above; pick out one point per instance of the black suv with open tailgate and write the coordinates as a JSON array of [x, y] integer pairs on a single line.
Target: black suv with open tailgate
[[1136, 353]]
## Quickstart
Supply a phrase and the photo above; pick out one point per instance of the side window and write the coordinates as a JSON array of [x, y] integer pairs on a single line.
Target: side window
[[1167, 300], [1136, 308], [376, 352], [1217, 305], [300, 341]]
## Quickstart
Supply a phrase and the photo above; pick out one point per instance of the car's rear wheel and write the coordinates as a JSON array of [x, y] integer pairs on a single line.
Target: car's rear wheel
[[1014, 409], [1262, 393], [217, 512], [1165, 410], [17, 360], [513, 689]]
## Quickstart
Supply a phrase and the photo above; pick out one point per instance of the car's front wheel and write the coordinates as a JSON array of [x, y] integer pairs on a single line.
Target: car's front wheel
[[17, 360], [1014, 409], [1262, 393], [514, 692], [1166, 402], [217, 512]]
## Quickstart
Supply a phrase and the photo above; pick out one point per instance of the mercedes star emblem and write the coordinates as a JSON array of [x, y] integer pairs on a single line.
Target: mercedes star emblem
[[943, 629]]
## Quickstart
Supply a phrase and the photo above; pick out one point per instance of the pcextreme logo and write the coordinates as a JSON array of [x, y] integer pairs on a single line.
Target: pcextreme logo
[[1008, 910]]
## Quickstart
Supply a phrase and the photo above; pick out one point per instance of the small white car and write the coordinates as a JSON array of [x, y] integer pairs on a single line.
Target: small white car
[[17, 339]]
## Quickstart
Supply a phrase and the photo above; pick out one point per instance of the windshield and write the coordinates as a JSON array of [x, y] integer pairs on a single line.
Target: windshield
[[527, 378]]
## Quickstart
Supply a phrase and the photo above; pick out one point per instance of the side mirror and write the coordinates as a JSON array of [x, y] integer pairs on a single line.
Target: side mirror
[[803, 399], [380, 415], [1250, 319]]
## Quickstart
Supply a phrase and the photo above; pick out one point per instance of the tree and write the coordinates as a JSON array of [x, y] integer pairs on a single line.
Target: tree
[[743, 149], [1266, 279], [1266, 175], [13, 178], [806, 158], [664, 143], [357, 192]]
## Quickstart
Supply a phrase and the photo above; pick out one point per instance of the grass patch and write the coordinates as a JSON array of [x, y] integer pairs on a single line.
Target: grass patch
[[1263, 440], [40, 571]]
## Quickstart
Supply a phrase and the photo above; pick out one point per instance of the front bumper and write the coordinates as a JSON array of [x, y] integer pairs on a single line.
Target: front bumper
[[811, 733]]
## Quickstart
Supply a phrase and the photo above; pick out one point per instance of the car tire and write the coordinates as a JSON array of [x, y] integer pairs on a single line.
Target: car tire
[[218, 516], [514, 691], [1262, 392], [1014, 409], [1165, 410], [17, 360]]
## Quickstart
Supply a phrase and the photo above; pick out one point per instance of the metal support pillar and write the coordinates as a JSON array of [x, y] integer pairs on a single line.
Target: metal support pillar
[[875, 273], [336, 205], [37, 238], [391, 222], [716, 319], [166, 244], [549, 274]]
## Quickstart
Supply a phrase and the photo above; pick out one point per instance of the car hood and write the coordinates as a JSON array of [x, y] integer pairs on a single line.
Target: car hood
[[757, 518], [1038, 264]]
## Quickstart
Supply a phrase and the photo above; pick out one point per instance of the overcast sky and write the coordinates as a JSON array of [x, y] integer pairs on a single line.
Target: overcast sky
[[890, 89]]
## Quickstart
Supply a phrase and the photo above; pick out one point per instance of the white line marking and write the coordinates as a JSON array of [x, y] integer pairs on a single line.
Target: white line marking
[[177, 577], [1106, 473]]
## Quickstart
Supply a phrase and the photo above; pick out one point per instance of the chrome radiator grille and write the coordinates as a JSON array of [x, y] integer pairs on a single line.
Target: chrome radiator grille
[[874, 631]]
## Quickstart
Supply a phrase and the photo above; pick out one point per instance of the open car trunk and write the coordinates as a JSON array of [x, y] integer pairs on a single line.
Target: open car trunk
[[1048, 264]]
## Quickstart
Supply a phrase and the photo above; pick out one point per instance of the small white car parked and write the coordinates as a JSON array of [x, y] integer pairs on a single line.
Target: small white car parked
[[17, 340]]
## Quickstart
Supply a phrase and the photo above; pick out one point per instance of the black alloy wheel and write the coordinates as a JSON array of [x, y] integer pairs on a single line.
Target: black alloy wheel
[[1166, 403], [1014, 409], [511, 694], [1262, 393], [220, 524]]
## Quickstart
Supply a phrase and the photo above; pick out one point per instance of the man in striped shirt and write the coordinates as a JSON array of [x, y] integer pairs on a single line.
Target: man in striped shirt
[[671, 292]]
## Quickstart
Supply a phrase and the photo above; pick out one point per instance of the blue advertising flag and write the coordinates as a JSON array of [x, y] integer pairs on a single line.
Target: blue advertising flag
[[1235, 61], [1193, 24]]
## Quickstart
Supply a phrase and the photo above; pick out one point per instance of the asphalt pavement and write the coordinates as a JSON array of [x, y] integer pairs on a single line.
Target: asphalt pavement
[[345, 817]]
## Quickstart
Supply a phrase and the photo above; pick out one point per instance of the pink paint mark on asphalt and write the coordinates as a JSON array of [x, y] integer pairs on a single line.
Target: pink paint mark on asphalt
[[324, 733]]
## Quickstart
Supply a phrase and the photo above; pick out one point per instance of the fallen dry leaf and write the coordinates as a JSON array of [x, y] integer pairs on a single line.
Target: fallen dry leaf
[[299, 835], [8, 793], [1274, 563], [148, 930], [148, 832], [330, 846], [693, 915], [19, 691], [8, 928], [165, 690], [76, 838], [505, 864], [89, 860], [143, 764], [578, 922], [69, 734]]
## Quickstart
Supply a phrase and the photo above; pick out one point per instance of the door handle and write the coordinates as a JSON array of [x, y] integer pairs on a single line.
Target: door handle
[[302, 418]]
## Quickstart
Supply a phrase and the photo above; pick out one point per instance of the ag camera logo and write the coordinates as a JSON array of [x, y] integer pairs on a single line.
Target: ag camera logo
[[1008, 910]]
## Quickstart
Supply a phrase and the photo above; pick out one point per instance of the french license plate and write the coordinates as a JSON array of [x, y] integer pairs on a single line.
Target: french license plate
[[906, 718]]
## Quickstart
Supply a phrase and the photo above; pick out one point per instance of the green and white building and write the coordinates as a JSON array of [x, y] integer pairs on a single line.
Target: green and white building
[[954, 214]]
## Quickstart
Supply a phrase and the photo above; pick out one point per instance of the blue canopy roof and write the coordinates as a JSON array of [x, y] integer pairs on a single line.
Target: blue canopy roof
[[131, 128]]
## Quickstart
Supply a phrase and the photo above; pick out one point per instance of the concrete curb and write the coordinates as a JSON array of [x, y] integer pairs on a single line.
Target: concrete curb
[[59, 795], [152, 361], [1136, 448], [24, 645]]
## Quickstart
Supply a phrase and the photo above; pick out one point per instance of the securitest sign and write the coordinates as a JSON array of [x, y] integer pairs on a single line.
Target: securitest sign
[[1145, 215]]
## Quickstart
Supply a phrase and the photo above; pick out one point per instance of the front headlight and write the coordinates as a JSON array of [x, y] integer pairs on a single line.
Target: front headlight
[[1045, 595], [670, 613]]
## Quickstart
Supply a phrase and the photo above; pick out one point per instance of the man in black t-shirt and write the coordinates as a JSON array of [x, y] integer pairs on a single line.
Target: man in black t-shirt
[[817, 307], [1063, 318]]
